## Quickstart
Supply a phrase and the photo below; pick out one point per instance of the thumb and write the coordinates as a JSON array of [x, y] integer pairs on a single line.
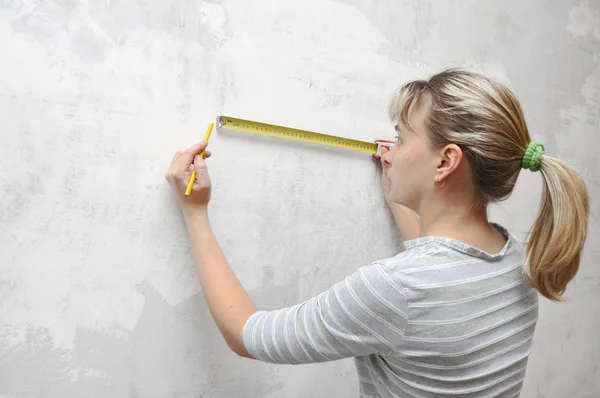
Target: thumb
[[202, 177], [199, 163]]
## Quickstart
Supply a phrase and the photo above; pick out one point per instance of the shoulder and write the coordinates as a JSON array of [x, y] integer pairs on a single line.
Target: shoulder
[[418, 254], [435, 259]]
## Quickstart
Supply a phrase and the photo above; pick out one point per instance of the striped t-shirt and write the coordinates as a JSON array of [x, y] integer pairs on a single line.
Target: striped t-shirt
[[440, 319]]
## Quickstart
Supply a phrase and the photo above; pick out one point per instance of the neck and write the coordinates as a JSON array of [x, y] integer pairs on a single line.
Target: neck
[[456, 219]]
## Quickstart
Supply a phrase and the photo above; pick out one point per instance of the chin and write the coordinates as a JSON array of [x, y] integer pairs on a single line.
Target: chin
[[399, 200], [404, 201]]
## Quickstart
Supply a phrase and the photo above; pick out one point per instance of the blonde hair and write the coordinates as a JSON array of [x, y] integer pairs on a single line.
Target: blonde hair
[[484, 118]]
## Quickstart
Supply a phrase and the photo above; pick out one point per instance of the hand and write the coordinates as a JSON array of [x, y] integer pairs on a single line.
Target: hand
[[179, 173]]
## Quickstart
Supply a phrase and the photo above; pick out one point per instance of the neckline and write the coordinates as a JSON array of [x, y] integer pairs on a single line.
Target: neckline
[[463, 247]]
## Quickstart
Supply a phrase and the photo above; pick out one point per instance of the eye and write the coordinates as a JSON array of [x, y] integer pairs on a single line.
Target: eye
[[397, 136]]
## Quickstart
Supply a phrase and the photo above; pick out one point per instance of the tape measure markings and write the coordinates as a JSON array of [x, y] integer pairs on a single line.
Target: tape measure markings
[[250, 126]]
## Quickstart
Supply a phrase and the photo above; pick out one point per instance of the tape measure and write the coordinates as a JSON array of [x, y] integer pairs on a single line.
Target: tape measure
[[249, 126]]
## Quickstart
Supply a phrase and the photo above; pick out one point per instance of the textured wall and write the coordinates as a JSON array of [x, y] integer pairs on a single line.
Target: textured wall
[[98, 291]]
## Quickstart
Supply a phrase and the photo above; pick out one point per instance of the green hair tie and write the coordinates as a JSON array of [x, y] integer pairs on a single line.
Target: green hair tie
[[533, 156]]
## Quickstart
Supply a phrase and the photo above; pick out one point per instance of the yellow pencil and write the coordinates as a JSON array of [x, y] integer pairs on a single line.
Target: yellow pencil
[[193, 176]]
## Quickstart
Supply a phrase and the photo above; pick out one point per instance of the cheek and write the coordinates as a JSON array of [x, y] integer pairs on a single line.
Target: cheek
[[416, 159], [402, 171], [404, 161], [409, 170]]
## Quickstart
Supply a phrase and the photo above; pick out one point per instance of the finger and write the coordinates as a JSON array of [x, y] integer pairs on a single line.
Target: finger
[[207, 154], [175, 157], [202, 177], [170, 171], [196, 149], [187, 157], [199, 163]]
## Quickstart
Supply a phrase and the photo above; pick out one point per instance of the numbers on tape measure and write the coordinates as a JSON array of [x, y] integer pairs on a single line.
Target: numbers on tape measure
[[295, 134]]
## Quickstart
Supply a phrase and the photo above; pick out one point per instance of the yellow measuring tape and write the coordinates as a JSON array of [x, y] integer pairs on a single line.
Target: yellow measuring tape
[[249, 126]]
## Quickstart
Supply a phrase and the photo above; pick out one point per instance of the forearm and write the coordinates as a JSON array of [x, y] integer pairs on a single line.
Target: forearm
[[228, 302], [406, 220]]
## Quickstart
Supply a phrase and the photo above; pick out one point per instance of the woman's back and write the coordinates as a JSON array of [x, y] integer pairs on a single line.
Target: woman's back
[[440, 319], [470, 318]]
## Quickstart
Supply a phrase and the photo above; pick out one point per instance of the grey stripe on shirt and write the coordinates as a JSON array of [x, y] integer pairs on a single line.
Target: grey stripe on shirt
[[439, 319]]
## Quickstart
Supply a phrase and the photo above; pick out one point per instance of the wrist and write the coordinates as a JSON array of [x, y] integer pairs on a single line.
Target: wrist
[[195, 212]]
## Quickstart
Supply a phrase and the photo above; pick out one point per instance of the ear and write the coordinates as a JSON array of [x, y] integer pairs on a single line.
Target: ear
[[450, 159]]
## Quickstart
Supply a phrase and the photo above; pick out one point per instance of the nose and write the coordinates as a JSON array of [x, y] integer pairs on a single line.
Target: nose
[[386, 158]]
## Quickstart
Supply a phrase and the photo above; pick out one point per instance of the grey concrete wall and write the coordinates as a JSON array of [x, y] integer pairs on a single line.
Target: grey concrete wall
[[98, 291]]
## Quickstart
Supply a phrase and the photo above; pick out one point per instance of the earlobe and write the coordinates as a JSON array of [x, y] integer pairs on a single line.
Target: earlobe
[[437, 178]]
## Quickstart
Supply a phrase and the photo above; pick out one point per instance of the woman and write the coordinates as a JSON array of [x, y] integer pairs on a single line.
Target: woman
[[452, 315]]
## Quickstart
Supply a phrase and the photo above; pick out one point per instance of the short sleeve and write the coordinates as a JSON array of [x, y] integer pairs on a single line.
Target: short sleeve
[[363, 314]]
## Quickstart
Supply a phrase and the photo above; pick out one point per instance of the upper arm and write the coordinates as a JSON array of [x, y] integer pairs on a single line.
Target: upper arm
[[363, 314]]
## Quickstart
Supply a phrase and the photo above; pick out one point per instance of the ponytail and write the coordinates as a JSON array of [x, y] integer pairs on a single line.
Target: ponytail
[[559, 232]]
